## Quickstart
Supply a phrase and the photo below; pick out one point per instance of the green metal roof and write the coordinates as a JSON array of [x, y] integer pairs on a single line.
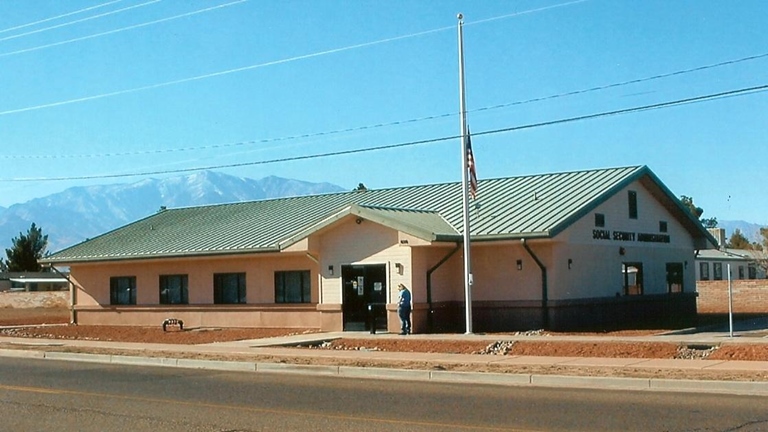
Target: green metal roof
[[537, 206]]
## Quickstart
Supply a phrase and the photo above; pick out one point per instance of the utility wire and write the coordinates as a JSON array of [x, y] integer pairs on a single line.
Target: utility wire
[[668, 104], [118, 30], [240, 69], [59, 16], [16, 36], [394, 123]]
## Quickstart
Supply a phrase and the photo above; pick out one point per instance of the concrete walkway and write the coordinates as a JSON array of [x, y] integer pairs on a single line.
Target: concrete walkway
[[172, 355]]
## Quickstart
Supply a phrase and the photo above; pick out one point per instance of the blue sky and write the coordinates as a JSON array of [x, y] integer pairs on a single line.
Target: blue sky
[[148, 86]]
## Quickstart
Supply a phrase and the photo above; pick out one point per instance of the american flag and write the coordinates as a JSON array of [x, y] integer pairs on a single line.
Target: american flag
[[471, 167]]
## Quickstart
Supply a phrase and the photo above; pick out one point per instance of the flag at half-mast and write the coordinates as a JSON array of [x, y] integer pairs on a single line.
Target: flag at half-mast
[[471, 168]]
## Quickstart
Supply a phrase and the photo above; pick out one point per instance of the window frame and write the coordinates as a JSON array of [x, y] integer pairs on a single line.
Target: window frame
[[638, 285], [675, 276], [221, 285], [717, 271], [115, 286], [704, 271], [632, 204], [305, 289], [183, 293], [600, 220]]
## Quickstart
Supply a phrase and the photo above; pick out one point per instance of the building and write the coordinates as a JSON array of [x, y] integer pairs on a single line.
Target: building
[[33, 281], [713, 264], [607, 247], [744, 291]]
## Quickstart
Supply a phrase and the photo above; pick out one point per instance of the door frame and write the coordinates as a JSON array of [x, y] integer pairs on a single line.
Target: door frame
[[355, 313]]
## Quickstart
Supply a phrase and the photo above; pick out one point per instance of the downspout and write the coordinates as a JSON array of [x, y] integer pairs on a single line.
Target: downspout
[[544, 288], [72, 294], [430, 311]]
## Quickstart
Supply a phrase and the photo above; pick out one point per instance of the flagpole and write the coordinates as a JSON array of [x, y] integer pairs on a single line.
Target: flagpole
[[465, 181]]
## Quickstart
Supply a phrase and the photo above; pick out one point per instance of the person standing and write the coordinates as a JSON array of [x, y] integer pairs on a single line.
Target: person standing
[[404, 309]]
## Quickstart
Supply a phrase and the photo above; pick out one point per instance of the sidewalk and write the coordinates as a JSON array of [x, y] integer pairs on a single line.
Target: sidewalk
[[333, 362]]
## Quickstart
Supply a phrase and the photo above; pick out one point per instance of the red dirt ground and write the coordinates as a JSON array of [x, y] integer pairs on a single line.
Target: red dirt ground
[[606, 349]]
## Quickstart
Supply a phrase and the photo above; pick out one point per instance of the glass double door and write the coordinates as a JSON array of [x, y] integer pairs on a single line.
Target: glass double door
[[365, 297]]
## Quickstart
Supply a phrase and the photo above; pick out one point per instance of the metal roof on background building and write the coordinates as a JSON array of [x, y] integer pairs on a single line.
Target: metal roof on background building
[[535, 206]]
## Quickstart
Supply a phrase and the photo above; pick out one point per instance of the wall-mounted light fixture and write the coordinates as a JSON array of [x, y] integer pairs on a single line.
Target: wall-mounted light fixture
[[330, 269], [399, 268], [570, 263], [622, 251], [359, 221], [519, 264]]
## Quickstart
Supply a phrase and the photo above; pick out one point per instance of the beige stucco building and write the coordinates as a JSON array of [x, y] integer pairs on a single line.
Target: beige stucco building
[[610, 247]]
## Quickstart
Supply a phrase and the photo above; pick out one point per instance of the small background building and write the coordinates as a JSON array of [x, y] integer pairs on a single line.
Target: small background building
[[749, 286], [33, 281]]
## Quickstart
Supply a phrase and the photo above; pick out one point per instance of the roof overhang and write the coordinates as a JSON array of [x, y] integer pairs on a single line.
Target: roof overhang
[[38, 280], [156, 256]]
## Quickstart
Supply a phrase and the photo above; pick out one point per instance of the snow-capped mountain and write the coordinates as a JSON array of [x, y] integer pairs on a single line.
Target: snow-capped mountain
[[749, 230], [78, 213]]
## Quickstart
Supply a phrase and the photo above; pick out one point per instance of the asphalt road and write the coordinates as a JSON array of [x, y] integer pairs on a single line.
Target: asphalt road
[[43, 395]]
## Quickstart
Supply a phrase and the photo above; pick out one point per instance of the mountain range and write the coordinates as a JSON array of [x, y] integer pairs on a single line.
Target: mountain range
[[750, 230], [79, 213]]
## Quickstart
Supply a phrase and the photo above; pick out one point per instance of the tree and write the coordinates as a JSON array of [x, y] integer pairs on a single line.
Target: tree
[[688, 203], [738, 241], [26, 251], [697, 212], [761, 251]]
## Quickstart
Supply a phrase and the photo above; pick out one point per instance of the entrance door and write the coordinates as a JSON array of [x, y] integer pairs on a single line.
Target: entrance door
[[364, 286]]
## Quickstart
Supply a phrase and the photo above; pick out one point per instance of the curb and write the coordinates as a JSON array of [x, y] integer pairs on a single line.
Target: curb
[[453, 377]]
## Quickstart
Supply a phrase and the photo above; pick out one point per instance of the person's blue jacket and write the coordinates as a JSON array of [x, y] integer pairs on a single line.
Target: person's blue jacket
[[405, 299]]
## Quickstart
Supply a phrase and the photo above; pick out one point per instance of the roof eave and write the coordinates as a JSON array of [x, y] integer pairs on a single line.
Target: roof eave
[[154, 256]]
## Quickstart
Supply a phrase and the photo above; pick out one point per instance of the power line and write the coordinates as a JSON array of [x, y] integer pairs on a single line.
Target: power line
[[668, 104], [16, 36], [240, 69], [121, 29], [59, 16], [394, 123]]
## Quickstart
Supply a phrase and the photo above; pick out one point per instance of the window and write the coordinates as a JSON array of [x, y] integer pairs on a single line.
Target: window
[[599, 220], [229, 288], [674, 277], [632, 195], [662, 226], [173, 289], [292, 287], [741, 272], [752, 271], [633, 278], [717, 269], [704, 271], [122, 290]]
